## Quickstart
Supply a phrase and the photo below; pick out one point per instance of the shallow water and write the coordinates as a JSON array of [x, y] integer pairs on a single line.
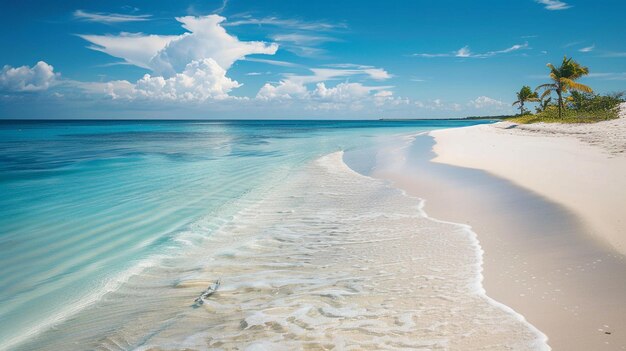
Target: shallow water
[[540, 258], [112, 229]]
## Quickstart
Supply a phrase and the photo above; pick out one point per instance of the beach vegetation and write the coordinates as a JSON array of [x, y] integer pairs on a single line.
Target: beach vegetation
[[551, 115], [525, 95], [563, 80], [575, 102], [543, 104], [580, 108], [581, 101]]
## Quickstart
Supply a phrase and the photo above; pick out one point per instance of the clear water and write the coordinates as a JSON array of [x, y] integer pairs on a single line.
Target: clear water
[[86, 206]]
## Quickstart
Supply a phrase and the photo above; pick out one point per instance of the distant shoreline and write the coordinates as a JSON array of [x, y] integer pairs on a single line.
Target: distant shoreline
[[473, 118]]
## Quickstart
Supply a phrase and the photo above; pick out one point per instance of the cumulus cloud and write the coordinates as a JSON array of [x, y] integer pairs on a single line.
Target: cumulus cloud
[[343, 95], [465, 52], [342, 92], [553, 5], [187, 67], [352, 95], [206, 38], [108, 18], [283, 90], [27, 79], [201, 80], [166, 54]]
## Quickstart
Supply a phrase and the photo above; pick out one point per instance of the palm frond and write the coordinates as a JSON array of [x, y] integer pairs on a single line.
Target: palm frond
[[572, 85], [550, 86], [545, 93]]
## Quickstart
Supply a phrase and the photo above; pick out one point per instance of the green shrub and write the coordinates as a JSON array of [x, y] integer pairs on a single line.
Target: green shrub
[[581, 108], [593, 102]]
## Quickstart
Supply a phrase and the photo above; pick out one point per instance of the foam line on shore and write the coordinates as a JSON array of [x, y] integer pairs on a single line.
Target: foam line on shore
[[542, 339], [329, 256]]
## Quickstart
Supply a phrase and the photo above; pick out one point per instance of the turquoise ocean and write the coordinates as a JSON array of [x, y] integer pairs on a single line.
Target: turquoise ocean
[[90, 208]]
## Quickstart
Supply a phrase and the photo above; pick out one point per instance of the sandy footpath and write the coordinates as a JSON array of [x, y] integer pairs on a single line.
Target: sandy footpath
[[582, 167]]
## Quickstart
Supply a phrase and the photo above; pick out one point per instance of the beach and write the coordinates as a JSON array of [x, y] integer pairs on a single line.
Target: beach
[[311, 254], [546, 201], [313, 175], [581, 166], [339, 235]]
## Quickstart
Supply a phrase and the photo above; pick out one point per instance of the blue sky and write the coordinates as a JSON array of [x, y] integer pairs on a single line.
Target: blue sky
[[296, 59]]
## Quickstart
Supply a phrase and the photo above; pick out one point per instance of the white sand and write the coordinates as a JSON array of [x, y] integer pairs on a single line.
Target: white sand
[[582, 167]]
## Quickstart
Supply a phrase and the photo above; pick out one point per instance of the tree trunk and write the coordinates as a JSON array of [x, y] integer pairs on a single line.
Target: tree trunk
[[558, 92]]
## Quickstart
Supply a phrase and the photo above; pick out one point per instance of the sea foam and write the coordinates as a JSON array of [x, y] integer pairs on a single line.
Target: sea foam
[[328, 259]]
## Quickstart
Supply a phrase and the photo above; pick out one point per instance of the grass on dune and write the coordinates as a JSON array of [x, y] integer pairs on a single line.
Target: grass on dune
[[551, 115]]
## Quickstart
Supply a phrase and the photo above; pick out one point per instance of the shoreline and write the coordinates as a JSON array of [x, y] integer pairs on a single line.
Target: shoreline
[[330, 257], [568, 281], [584, 171], [537, 258]]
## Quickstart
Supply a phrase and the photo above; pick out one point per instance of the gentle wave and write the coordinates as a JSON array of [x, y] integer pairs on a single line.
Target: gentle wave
[[327, 258]]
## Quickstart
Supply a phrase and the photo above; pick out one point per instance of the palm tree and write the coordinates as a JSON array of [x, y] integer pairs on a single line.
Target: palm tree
[[564, 80], [525, 95], [543, 105]]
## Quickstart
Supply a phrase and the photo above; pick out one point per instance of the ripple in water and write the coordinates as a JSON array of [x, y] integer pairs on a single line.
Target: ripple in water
[[328, 260]]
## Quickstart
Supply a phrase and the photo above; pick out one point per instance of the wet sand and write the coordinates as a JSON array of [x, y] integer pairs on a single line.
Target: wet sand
[[589, 179], [538, 256]]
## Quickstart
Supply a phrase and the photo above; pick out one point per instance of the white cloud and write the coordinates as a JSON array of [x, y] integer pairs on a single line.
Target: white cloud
[[286, 23], [465, 52], [166, 55], [27, 79], [302, 38], [349, 95], [485, 101], [608, 75], [482, 105], [507, 50], [303, 44], [135, 48], [272, 62], [588, 48], [207, 39], [284, 90], [342, 92], [614, 54], [352, 95], [201, 80], [221, 8], [437, 105], [109, 18], [554, 4], [324, 74]]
